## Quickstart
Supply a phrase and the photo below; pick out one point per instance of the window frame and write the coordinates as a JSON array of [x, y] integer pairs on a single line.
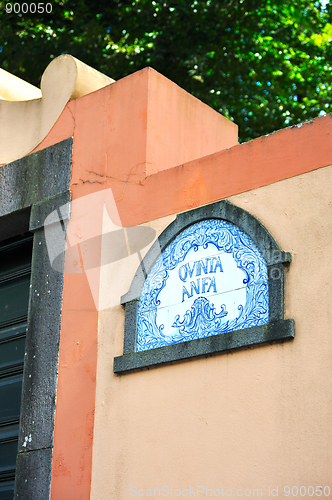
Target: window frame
[[277, 328], [30, 189]]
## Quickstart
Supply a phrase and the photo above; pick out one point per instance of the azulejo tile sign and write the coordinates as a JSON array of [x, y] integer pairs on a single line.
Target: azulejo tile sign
[[210, 280], [211, 283]]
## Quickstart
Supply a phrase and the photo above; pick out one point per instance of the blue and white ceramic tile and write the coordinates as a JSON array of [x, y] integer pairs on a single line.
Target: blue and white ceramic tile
[[211, 279]]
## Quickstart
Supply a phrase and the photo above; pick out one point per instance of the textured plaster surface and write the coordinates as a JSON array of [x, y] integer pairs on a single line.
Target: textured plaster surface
[[251, 419]]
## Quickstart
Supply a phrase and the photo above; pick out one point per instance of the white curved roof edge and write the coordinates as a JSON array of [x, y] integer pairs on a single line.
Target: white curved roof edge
[[13, 88], [27, 114]]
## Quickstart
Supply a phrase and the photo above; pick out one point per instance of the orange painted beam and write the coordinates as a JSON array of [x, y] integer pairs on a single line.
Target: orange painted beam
[[268, 159], [74, 417]]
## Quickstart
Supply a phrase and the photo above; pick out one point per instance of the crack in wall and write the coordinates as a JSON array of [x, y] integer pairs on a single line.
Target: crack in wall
[[87, 181], [125, 182]]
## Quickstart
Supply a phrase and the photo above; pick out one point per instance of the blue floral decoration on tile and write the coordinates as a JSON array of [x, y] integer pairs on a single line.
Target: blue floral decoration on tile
[[202, 319]]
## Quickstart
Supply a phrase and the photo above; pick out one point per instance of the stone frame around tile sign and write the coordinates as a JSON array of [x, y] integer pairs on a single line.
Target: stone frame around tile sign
[[277, 328]]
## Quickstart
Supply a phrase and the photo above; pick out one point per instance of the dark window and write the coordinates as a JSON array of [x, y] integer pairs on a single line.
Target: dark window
[[15, 266]]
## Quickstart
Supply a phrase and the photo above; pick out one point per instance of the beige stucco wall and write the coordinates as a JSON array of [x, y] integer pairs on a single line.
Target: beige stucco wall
[[256, 418], [28, 114]]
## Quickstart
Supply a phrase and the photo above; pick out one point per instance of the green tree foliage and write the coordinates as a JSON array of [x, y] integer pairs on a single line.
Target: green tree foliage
[[264, 64]]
